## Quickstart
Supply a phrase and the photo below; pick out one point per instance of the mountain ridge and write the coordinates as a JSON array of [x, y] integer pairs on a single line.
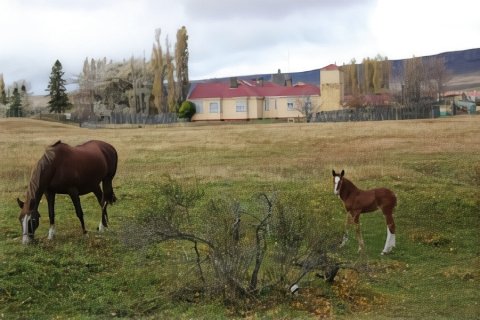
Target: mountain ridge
[[464, 66]]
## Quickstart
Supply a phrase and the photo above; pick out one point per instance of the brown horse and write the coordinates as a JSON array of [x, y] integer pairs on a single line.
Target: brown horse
[[69, 170], [358, 201]]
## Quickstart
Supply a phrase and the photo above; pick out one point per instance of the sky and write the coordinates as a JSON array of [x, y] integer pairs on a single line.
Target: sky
[[227, 38]]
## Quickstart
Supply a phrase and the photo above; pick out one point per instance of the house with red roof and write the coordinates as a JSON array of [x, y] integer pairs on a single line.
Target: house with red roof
[[259, 99]]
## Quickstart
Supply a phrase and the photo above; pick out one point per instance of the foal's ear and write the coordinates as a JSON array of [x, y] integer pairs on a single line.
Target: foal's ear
[[20, 203], [333, 172], [342, 173]]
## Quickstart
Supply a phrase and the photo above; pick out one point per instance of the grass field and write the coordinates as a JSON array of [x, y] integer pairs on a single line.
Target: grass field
[[432, 165]]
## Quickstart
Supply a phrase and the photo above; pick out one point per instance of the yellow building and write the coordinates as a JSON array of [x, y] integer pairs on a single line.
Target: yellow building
[[331, 87], [247, 100]]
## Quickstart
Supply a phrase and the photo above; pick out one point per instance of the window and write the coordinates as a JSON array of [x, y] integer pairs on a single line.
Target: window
[[241, 106], [213, 107], [198, 107], [267, 105], [290, 106]]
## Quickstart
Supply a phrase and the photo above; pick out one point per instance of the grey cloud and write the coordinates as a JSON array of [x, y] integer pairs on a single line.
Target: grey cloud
[[263, 10]]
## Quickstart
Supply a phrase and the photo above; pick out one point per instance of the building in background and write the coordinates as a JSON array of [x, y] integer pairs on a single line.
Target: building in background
[[259, 99]]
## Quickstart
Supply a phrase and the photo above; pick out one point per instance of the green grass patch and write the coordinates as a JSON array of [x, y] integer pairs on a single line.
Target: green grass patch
[[432, 166]]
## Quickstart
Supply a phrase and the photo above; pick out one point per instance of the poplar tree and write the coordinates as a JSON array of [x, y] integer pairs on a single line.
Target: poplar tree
[[172, 99], [353, 77], [181, 59], [158, 73], [377, 75], [59, 101]]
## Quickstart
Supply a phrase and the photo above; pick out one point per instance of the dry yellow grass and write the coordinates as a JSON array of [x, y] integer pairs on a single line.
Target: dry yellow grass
[[365, 149]]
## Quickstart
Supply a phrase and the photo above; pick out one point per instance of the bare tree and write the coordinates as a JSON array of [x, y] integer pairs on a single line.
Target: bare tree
[[305, 106], [438, 74], [414, 78], [3, 95]]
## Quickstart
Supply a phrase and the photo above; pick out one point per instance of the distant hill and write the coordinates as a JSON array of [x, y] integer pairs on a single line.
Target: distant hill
[[464, 67]]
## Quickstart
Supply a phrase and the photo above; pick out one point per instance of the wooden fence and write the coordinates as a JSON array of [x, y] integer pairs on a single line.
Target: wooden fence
[[420, 111], [127, 118]]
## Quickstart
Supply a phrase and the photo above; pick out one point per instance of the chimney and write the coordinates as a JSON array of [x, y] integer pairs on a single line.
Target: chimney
[[288, 80], [260, 82], [233, 82]]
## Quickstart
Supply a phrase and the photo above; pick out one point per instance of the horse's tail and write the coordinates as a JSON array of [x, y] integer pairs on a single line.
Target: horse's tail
[[108, 194], [112, 158]]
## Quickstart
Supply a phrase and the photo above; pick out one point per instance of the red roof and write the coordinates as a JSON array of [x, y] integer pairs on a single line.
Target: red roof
[[251, 89], [330, 67]]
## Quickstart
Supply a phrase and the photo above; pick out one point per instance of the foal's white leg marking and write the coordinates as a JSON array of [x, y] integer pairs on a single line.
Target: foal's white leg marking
[[101, 228], [51, 232], [25, 237], [389, 243], [344, 240], [348, 217]]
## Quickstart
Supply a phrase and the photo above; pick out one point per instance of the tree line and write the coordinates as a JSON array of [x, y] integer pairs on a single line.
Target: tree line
[[161, 85], [158, 86], [415, 80], [148, 87], [15, 98]]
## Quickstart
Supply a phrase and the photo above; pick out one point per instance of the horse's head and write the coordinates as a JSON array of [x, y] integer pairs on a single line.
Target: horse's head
[[337, 181], [29, 219]]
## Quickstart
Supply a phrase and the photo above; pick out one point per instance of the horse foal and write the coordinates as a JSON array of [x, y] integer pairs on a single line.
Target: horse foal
[[358, 201]]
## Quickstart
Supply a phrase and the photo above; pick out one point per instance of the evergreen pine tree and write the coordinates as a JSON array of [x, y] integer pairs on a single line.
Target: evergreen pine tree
[[15, 109], [59, 102]]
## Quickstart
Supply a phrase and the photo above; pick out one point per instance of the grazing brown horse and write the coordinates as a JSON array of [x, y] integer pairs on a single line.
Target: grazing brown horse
[[358, 201], [69, 170]]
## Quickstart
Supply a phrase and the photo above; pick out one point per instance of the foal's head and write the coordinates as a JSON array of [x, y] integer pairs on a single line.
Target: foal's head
[[337, 181], [29, 219]]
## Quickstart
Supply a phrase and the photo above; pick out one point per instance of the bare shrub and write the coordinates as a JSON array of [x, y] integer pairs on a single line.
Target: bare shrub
[[240, 250]]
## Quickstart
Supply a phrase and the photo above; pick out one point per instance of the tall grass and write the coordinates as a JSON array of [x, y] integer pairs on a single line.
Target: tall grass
[[432, 165]]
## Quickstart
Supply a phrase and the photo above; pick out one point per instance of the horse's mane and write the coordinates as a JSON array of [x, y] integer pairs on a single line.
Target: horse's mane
[[44, 161]]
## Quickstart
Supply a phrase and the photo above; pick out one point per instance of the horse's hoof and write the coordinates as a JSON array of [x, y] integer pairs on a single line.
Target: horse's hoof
[[101, 227], [26, 239]]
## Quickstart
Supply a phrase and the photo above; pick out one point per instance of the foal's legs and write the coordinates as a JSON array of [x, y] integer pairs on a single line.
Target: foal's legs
[[51, 213], [390, 241], [348, 220], [358, 231], [103, 203]]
